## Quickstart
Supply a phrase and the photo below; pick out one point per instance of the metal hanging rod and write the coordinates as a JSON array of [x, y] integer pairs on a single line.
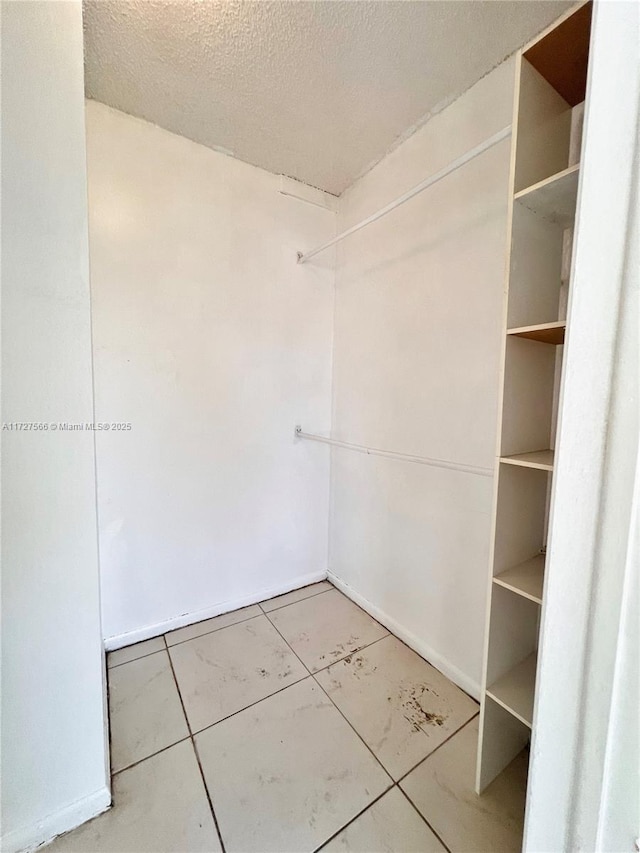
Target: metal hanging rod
[[404, 457], [303, 257]]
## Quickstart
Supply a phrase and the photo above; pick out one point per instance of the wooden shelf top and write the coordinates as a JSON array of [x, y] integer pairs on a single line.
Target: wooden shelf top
[[561, 54], [525, 579], [546, 333], [555, 197], [542, 459], [516, 689]]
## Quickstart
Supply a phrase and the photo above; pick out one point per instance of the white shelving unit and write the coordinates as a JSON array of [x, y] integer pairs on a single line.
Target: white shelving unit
[[551, 75]]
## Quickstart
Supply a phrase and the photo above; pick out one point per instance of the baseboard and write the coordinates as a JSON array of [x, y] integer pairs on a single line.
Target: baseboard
[[64, 820], [425, 651], [118, 641]]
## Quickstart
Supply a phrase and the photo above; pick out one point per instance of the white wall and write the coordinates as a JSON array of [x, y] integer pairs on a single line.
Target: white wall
[[213, 343], [416, 362], [54, 770], [584, 783]]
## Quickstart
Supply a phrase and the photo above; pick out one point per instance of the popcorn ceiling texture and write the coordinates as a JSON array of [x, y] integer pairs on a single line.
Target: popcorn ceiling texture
[[315, 90]]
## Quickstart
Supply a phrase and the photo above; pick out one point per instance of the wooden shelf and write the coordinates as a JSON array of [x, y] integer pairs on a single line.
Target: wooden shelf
[[515, 690], [542, 459], [525, 579], [545, 333], [555, 197]]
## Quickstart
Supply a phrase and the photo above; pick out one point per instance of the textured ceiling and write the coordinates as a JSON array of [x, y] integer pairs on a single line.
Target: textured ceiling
[[315, 90]]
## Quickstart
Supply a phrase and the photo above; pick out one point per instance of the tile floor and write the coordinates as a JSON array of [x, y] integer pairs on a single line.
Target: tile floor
[[296, 725]]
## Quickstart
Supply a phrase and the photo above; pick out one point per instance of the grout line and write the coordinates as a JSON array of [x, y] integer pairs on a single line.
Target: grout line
[[448, 849], [206, 790], [350, 654], [349, 822], [206, 633], [195, 751], [357, 733], [293, 651], [284, 687], [133, 660], [152, 755], [313, 674], [313, 595], [175, 681], [384, 769], [252, 705], [439, 746]]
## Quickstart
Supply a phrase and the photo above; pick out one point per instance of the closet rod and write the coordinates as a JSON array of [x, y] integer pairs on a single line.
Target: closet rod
[[404, 457], [428, 182]]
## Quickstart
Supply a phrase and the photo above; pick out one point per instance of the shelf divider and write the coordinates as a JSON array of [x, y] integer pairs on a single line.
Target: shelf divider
[[542, 459], [525, 579], [545, 333], [515, 690], [555, 197]]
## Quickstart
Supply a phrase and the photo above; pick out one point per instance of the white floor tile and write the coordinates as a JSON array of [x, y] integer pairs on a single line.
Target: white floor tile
[[223, 672], [288, 773], [144, 709], [210, 625], [400, 705], [326, 628], [138, 650], [285, 769], [295, 595], [160, 806], [442, 788], [391, 825]]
